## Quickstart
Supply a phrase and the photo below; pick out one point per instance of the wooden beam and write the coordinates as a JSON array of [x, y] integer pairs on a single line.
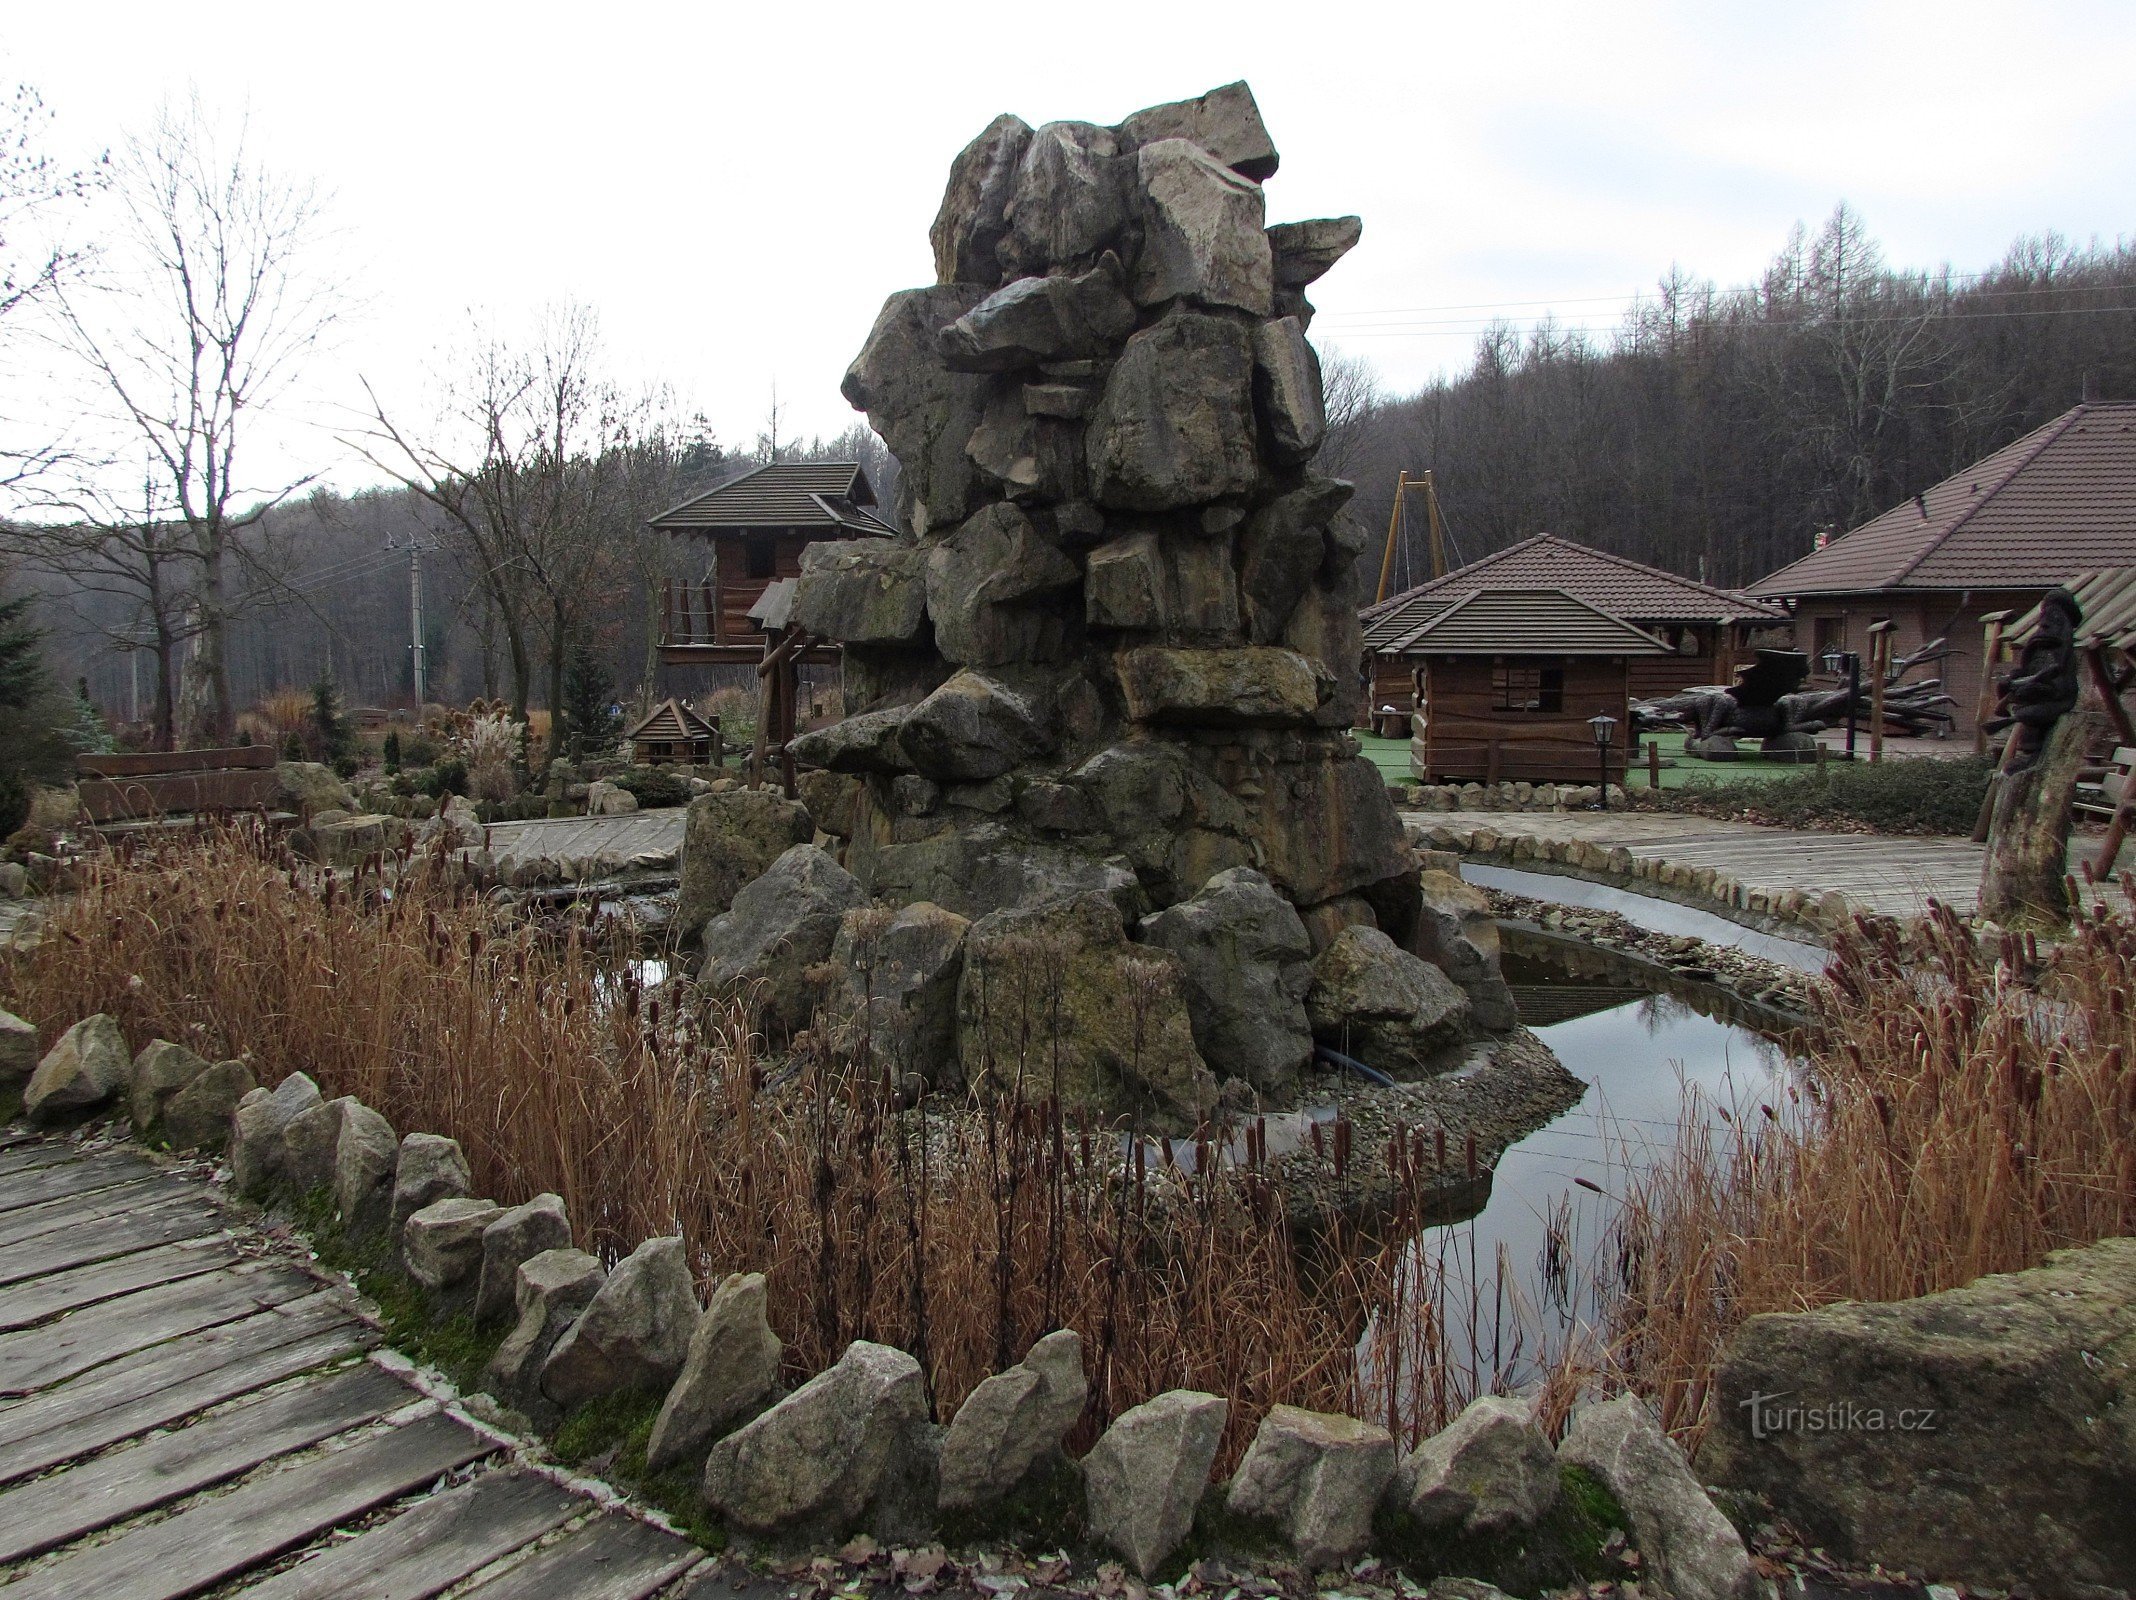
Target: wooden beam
[[1880, 656], [1991, 647], [2103, 681]]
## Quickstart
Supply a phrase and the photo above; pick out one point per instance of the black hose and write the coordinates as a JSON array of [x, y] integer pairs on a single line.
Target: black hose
[[1369, 1074]]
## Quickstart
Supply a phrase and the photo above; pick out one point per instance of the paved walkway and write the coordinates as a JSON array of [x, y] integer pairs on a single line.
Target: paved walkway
[[183, 1409], [1894, 875]]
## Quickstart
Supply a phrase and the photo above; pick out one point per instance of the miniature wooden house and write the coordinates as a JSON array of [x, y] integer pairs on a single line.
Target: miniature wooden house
[[670, 734]]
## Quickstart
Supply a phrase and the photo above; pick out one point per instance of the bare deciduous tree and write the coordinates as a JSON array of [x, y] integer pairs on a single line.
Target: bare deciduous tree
[[210, 299]]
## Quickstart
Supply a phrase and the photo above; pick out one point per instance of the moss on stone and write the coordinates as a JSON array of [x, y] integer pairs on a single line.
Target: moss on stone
[[1566, 1548]]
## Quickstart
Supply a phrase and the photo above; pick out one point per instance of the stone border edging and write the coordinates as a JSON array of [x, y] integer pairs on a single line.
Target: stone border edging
[[582, 1334], [1789, 913]]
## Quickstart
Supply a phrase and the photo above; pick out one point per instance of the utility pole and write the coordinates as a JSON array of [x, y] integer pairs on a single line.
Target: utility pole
[[417, 654], [415, 622]]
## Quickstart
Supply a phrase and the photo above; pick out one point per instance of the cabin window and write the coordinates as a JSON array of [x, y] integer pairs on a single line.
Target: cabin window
[[1831, 636], [1524, 687], [761, 554]]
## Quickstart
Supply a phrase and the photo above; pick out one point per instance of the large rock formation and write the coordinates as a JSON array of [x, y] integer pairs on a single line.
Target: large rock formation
[[1117, 652], [1980, 1434]]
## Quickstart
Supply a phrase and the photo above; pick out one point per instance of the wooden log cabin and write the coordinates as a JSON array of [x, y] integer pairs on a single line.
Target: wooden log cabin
[[1706, 632], [1507, 681], [755, 527]]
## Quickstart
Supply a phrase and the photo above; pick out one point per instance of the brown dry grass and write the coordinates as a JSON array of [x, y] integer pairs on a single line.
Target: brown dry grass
[[1961, 1113], [960, 1238]]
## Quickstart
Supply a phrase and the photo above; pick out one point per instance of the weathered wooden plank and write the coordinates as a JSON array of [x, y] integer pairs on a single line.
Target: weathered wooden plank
[[172, 1381], [65, 1247], [228, 1534], [56, 1510], [430, 1547], [34, 1152], [124, 1200], [34, 1358], [39, 1299], [65, 1178], [614, 1557]]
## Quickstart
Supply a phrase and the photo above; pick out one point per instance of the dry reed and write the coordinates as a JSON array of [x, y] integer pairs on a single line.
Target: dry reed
[[1961, 1112], [960, 1236]]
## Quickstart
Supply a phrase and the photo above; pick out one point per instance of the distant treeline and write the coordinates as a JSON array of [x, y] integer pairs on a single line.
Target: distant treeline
[[338, 601], [1721, 429]]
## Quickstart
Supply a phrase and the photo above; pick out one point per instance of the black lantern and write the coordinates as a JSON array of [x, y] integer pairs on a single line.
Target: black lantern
[[1604, 726]]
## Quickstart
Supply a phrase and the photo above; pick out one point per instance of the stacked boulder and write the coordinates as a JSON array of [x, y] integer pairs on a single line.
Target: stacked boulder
[[1113, 665]]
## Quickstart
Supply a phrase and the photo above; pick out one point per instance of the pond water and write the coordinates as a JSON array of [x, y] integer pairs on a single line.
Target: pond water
[[1645, 911], [1541, 1238]]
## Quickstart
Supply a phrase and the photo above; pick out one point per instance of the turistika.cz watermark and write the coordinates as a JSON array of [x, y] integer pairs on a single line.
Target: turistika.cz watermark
[[1772, 1414]]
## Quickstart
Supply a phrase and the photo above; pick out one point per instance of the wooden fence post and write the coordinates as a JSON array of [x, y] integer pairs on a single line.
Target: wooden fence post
[[1880, 662], [1992, 625]]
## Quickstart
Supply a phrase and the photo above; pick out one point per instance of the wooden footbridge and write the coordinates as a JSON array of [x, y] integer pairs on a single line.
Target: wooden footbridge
[[186, 1409]]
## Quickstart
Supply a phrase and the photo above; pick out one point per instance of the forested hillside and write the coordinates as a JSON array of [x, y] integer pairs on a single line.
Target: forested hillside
[[1722, 428]]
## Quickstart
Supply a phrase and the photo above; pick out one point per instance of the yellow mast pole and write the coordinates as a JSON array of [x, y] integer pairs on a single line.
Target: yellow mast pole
[[1438, 526], [1394, 524]]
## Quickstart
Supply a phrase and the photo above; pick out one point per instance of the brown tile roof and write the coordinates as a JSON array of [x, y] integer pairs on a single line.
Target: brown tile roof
[[2060, 500], [2107, 601], [1523, 622], [1613, 584], [673, 721], [831, 496]]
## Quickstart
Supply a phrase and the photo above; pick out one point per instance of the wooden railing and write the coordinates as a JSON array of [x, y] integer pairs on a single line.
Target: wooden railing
[[689, 612]]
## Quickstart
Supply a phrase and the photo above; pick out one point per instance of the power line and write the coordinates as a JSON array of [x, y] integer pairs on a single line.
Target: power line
[[1396, 330]]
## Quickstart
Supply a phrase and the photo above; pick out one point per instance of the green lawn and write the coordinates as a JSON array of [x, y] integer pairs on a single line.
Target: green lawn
[[1391, 756]]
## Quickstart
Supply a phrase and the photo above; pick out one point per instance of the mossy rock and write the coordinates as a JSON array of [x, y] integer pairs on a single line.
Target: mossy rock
[[1565, 1549]]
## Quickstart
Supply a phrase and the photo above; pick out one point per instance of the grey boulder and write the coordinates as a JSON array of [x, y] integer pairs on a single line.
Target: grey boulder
[[198, 1116], [309, 1144], [729, 1375], [1304, 251], [549, 1291], [864, 743], [972, 729], [1070, 200], [1375, 1001], [441, 1246], [1490, 1473], [780, 926], [983, 582], [1145, 1476], [1457, 934], [365, 1160], [1203, 235], [1693, 1552], [429, 1168], [18, 1051], [1225, 122], [1286, 392], [1175, 424], [1043, 319], [512, 1239], [159, 1071], [862, 591], [1013, 1423], [850, 1451], [635, 1333], [728, 839], [896, 985], [925, 412], [1317, 1477], [1966, 1435], [86, 1069], [1245, 956], [256, 1130], [968, 228]]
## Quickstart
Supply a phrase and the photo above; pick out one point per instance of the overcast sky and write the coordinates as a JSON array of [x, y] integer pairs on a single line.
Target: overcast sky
[[735, 188]]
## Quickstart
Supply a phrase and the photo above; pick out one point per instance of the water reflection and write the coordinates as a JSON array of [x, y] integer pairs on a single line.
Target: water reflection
[[1541, 1237]]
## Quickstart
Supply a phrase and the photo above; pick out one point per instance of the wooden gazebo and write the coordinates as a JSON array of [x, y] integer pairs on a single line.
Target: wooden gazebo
[[672, 733], [757, 525]]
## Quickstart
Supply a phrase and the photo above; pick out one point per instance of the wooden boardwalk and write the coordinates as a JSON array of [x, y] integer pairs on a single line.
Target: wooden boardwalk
[[1891, 874], [184, 1409]]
